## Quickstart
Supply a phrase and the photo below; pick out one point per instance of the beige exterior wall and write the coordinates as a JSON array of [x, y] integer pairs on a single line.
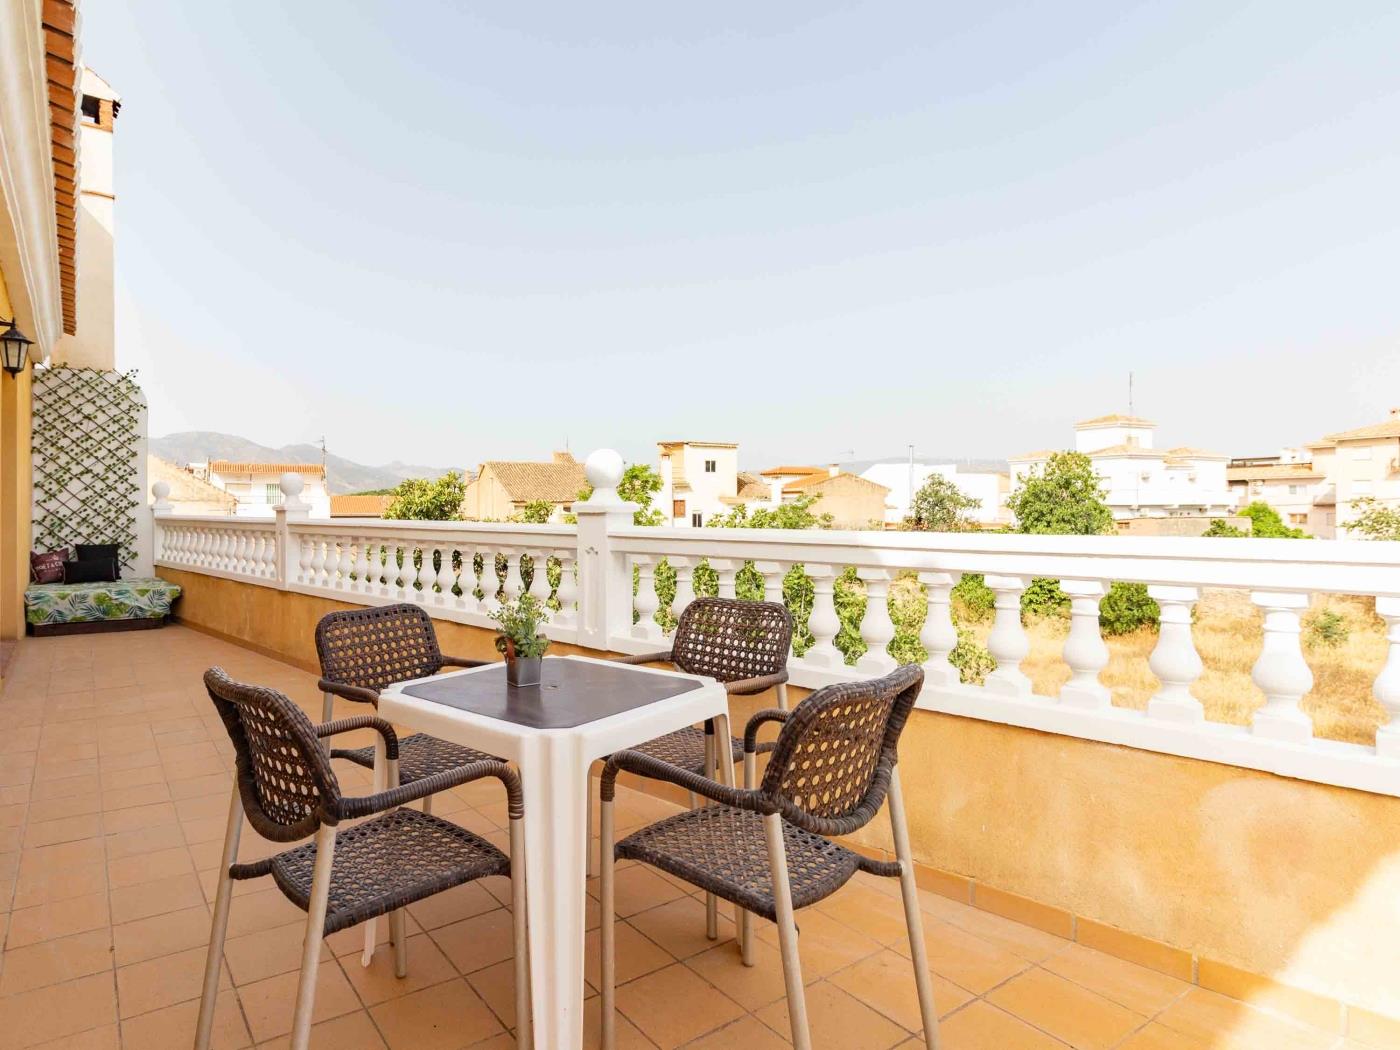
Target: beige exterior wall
[[486, 499], [1365, 468], [16, 487], [853, 502], [1178, 863], [1176, 526]]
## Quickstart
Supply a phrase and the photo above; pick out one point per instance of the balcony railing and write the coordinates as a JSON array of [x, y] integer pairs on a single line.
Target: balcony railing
[[460, 570]]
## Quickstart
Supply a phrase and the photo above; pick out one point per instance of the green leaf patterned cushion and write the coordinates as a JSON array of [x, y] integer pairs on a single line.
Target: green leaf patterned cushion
[[137, 599]]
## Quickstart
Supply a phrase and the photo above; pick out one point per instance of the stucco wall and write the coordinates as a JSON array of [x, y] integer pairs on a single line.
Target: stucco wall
[[1281, 878]]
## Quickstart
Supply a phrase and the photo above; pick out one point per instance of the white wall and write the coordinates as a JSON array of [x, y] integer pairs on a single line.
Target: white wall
[[895, 477]]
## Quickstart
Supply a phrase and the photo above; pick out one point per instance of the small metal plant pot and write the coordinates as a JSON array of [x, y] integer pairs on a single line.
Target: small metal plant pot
[[522, 670]]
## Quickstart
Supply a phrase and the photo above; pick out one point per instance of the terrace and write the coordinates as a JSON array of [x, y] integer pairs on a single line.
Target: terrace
[[1091, 875]]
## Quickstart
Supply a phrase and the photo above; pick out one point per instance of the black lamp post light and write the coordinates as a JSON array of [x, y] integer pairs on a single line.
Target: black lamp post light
[[14, 347]]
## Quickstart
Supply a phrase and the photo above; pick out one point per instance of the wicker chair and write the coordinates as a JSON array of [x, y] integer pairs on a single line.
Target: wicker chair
[[363, 650], [768, 849], [285, 786]]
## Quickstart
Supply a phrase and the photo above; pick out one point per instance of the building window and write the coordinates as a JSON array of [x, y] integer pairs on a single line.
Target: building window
[[1293, 490], [678, 508], [710, 466], [92, 109], [697, 520], [274, 494], [1298, 519]]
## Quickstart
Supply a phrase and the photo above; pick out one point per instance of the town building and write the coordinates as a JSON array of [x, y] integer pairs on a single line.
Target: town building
[[905, 479], [699, 481], [1292, 484], [503, 488], [1360, 463], [1140, 480], [189, 493], [256, 486], [852, 501]]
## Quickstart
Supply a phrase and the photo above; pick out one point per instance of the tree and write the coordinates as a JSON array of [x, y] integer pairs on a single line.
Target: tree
[[940, 506], [418, 499], [637, 485], [1065, 498], [536, 512], [1373, 520], [795, 515], [1219, 527], [1268, 525]]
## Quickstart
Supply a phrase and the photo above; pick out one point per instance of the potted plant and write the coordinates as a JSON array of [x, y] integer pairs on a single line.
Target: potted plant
[[520, 639]]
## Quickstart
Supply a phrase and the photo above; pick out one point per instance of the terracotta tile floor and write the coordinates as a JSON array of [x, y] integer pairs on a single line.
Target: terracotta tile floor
[[114, 779]]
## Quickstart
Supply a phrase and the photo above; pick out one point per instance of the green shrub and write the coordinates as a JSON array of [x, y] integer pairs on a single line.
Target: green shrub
[[973, 600], [1043, 599], [1327, 629], [971, 658], [1126, 607]]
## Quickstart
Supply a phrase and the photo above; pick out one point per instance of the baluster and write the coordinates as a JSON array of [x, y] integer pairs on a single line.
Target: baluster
[[1281, 672], [445, 576], [876, 628], [567, 591], [1174, 659], [1387, 687], [823, 623], [421, 585], [269, 556], [1084, 649], [182, 542], [647, 601], [773, 573], [515, 583], [319, 557], [225, 559], [726, 570], [938, 636], [1007, 642], [685, 585], [304, 559], [383, 556], [344, 565], [488, 582], [240, 552], [362, 582]]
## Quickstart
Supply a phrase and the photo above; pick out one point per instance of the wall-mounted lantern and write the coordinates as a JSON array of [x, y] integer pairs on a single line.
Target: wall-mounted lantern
[[14, 348]]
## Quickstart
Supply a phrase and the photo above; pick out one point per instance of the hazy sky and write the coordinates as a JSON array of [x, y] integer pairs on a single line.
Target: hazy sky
[[444, 232]]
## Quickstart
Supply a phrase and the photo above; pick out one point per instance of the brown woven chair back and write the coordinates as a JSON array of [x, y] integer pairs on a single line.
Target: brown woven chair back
[[284, 776], [731, 639], [371, 648], [831, 765]]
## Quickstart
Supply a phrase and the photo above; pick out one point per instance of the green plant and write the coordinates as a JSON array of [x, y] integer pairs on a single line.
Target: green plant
[[940, 506], [637, 485], [520, 623], [1223, 529], [419, 499], [1127, 607], [971, 658], [1063, 498], [1043, 598], [1266, 523], [1374, 521], [536, 512], [1327, 629], [795, 515], [973, 600]]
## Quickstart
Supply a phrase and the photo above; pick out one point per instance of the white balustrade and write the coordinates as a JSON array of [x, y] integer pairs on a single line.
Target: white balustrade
[[939, 636], [1008, 643], [1281, 672], [374, 563], [1174, 659], [1085, 651]]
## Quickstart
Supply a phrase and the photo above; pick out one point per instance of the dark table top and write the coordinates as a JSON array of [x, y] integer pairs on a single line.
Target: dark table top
[[571, 693]]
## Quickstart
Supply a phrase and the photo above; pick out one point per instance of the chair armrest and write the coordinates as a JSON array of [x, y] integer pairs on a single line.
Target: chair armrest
[[749, 686], [358, 693], [771, 714], [646, 658], [656, 769], [462, 661], [346, 725], [366, 805]]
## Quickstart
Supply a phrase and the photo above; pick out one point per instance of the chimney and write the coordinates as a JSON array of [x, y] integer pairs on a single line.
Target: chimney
[[833, 469]]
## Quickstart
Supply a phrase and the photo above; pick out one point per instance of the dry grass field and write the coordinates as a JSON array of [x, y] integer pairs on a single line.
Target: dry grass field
[[1229, 635]]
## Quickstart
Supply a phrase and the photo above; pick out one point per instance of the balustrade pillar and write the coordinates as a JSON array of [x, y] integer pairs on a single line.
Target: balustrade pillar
[[346, 566], [362, 582], [1174, 659], [1387, 687], [647, 602], [567, 591], [1085, 651], [774, 572], [877, 628], [685, 585], [824, 624], [1281, 672], [726, 570], [305, 559], [515, 583], [1007, 642], [939, 636], [318, 561]]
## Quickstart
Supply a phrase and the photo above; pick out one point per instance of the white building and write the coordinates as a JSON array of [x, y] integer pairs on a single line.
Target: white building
[[1291, 484], [1142, 481], [699, 480], [988, 488], [255, 485]]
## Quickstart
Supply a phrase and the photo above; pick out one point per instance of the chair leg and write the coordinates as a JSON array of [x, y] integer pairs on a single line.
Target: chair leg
[[428, 805], [787, 933], [222, 901], [607, 933], [523, 1037], [327, 707], [782, 696], [912, 914], [400, 941], [711, 902], [315, 932], [588, 829]]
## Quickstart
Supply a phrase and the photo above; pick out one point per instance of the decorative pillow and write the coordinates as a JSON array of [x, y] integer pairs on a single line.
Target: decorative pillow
[[47, 566], [97, 551], [93, 570]]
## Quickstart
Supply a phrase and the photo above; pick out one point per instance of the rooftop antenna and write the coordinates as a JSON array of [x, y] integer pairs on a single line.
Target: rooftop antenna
[[323, 455], [1130, 393]]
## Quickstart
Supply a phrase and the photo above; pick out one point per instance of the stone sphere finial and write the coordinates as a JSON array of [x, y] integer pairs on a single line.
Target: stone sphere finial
[[161, 491], [603, 469], [291, 485]]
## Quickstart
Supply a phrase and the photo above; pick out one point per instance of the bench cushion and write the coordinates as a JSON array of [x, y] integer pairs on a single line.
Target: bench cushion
[[136, 599]]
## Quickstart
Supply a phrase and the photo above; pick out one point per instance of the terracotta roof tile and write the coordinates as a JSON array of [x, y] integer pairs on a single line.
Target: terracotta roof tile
[[359, 505], [527, 482], [1389, 429], [227, 466]]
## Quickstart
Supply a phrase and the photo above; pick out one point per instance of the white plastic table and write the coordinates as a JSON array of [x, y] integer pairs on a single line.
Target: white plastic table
[[554, 763]]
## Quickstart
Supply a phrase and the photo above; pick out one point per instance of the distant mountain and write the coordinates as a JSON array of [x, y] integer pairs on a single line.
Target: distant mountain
[[342, 475]]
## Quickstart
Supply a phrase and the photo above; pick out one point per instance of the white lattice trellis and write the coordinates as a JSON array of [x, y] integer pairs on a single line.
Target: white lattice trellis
[[86, 439]]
